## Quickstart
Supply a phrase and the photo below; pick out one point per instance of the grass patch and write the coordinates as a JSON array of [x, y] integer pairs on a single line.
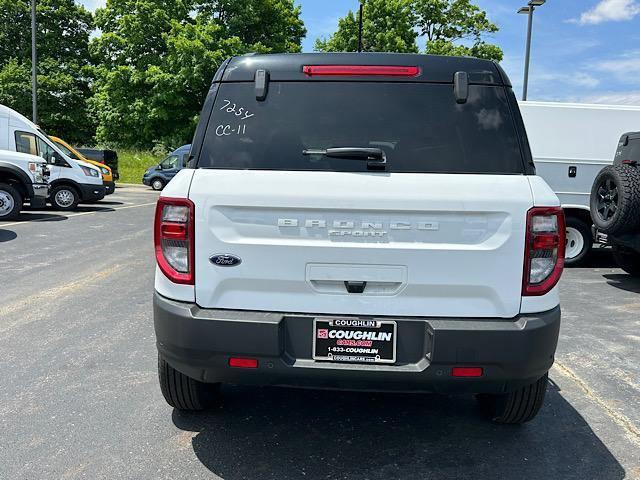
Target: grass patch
[[133, 163]]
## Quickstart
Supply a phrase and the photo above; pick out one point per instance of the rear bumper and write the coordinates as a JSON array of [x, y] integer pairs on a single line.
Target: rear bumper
[[109, 187], [91, 193], [513, 352]]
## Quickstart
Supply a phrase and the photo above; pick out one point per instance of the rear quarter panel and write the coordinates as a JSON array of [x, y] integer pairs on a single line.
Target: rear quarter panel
[[177, 188], [543, 196]]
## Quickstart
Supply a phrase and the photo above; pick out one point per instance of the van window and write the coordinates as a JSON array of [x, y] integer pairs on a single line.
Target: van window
[[66, 151], [30, 143], [169, 162], [26, 143], [419, 126], [45, 150]]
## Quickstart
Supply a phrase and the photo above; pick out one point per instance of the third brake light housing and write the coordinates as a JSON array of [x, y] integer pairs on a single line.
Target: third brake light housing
[[361, 70]]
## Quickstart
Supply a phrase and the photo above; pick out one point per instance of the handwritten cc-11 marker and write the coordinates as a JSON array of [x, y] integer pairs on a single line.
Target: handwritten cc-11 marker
[[226, 130]]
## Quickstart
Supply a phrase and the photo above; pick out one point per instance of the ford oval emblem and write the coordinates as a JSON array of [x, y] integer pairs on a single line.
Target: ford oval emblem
[[225, 260]]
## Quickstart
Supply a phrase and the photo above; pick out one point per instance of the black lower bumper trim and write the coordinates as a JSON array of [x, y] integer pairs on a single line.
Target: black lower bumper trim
[[91, 193], [512, 352]]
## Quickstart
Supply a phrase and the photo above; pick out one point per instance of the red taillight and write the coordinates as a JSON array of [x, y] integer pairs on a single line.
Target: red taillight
[[466, 372], [238, 362], [361, 70], [174, 239], [544, 250]]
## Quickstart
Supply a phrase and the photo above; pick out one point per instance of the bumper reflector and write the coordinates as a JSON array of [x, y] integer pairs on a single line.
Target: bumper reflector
[[243, 362], [466, 372]]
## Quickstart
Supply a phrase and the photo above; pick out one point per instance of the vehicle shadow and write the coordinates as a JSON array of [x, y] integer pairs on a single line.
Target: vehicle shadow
[[278, 433], [38, 216], [93, 208], [109, 202], [598, 258], [7, 235], [624, 281]]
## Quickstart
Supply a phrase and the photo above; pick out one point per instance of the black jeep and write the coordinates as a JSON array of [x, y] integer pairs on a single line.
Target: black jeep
[[615, 204]]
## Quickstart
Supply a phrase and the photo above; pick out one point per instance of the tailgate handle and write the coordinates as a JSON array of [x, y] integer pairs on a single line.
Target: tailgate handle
[[355, 287]]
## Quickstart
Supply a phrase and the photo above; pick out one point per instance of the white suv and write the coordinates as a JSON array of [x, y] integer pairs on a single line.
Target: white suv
[[359, 221]]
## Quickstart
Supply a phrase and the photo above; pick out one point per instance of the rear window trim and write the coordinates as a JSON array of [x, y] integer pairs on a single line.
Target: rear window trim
[[371, 172], [364, 80]]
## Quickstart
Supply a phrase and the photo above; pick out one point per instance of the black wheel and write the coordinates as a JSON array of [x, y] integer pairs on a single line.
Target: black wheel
[[185, 393], [157, 184], [10, 202], [516, 407], [628, 260], [64, 197], [579, 241], [615, 199]]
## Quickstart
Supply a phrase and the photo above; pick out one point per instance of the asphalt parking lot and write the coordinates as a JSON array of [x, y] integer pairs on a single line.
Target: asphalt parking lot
[[80, 399]]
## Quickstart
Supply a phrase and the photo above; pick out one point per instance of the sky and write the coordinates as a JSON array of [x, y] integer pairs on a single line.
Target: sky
[[582, 50]]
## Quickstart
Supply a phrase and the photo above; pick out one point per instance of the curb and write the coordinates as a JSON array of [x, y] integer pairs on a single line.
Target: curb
[[131, 185]]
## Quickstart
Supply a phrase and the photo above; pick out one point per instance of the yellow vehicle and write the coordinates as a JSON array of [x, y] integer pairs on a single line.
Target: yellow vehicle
[[107, 176]]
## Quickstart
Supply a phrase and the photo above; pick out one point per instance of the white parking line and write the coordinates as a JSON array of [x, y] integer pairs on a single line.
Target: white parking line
[[26, 222], [633, 432]]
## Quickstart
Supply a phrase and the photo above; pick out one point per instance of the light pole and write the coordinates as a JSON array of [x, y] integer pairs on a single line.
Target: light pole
[[34, 64], [529, 9], [360, 27]]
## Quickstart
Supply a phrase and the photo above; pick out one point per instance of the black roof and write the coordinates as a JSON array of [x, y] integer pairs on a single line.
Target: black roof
[[433, 68]]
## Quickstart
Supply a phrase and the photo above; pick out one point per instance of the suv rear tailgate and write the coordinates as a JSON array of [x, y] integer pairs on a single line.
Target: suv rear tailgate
[[449, 245]]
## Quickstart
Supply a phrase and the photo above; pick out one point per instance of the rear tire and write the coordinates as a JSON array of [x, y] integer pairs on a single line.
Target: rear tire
[[183, 392], [627, 260], [615, 199], [10, 202], [579, 241], [157, 184], [64, 197], [516, 407]]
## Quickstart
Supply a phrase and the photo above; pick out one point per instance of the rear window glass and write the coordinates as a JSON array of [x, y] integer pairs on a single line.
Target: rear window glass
[[629, 152], [419, 126]]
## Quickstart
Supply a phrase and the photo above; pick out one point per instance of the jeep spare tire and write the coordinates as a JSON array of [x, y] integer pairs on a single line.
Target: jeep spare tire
[[615, 199]]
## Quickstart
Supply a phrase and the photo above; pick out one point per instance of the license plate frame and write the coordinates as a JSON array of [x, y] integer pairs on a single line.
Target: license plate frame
[[374, 350]]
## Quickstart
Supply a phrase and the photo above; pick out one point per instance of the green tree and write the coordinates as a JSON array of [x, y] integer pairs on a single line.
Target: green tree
[[449, 27], [63, 64], [157, 59], [388, 26], [160, 103], [447, 23], [269, 25]]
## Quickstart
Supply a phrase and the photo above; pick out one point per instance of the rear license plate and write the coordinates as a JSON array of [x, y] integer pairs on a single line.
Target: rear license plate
[[354, 340]]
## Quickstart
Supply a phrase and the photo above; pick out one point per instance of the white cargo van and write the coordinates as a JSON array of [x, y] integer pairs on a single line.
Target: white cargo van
[[71, 181], [570, 144]]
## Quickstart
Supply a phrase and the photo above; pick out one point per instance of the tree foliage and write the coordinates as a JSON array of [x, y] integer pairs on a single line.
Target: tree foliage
[[157, 58], [445, 22], [266, 25], [63, 64], [450, 27], [388, 26]]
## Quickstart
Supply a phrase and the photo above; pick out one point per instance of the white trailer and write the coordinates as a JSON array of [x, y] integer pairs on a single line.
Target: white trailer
[[570, 144]]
